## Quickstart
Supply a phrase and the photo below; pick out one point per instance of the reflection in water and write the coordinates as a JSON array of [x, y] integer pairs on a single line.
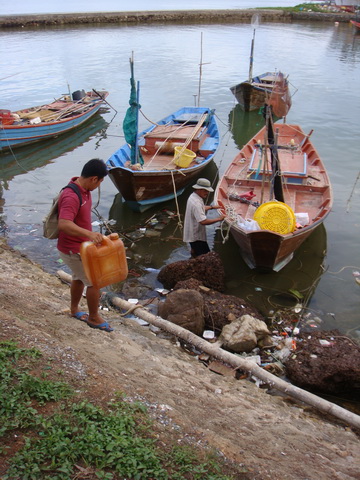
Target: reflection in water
[[346, 44], [296, 282], [244, 125]]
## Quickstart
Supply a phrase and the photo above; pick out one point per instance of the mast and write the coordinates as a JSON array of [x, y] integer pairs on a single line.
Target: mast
[[131, 120], [254, 23], [136, 146], [251, 57], [276, 188]]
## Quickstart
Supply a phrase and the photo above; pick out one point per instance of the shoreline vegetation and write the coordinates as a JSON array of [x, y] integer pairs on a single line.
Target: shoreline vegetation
[[175, 16]]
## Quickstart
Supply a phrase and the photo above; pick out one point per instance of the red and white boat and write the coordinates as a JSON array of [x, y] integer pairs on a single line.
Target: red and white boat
[[274, 194]]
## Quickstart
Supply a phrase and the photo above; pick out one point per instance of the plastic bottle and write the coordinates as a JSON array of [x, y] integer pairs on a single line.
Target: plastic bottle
[[104, 264]]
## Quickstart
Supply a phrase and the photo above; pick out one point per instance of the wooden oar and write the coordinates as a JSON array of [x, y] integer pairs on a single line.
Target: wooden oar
[[103, 99]]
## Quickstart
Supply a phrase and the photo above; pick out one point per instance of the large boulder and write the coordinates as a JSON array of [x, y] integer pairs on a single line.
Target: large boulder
[[220, 309], [208, 269], [243, 334], [184, 308]]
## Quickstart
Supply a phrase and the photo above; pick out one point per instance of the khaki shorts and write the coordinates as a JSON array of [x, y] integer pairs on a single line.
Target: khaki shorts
[[73, 261]]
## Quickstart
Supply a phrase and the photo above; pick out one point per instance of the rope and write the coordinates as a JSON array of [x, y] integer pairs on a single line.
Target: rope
[[102, 220], [232, 219], [176, 201], [131, 309], [150, 121], [352, 192]]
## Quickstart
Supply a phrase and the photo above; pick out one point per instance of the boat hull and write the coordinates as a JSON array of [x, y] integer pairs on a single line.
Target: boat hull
[[266, 250], [143, 191], [159, 179], [24, 133], [356, 25], [306, 187]]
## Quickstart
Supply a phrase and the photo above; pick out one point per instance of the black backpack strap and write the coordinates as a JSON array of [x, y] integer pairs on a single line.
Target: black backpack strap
[[75, 189]]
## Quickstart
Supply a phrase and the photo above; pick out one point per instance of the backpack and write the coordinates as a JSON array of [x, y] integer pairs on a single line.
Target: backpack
[[50, 222]]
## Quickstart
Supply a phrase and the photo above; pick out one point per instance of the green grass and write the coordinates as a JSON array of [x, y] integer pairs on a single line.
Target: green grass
[[302, 7], [63, 436]]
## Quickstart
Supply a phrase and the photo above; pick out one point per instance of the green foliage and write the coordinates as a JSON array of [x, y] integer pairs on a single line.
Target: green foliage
[[302, 7], [185, 459], [313, 7], [87, 434], [18, 389], [114, 442]]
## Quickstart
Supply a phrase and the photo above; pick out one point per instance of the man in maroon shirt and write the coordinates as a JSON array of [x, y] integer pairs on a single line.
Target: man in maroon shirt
[[74, 228]]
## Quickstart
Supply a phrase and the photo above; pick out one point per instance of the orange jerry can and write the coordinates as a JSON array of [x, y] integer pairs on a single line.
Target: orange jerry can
[[104, 264]]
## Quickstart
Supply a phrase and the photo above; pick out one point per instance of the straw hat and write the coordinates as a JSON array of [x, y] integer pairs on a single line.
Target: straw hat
[[203, 184]]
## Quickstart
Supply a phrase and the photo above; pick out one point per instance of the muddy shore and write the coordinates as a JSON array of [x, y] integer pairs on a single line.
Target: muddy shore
[[273, 436], [173, 17]]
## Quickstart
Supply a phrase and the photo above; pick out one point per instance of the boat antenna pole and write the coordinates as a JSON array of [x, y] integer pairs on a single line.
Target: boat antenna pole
[[137, 123], [131, 119], [276, 178], [200, 69], [254, 24]]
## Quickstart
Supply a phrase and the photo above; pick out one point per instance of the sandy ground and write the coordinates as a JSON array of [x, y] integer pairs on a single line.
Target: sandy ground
[[273, 436]]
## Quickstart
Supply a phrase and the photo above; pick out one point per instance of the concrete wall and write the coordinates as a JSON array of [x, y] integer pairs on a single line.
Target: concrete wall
[[179, 16]]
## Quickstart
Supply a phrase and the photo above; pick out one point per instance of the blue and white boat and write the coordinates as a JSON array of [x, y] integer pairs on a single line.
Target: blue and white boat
[[165, 158], [33, 124], [156, 165]]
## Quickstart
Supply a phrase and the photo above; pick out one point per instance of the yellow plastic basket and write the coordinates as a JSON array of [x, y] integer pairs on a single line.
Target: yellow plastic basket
[[276, 216], [183, 157]]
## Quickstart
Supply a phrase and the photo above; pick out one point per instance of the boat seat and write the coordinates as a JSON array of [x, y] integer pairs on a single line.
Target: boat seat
[[291, 166], [263, 85], [208, 146], [190, 118]]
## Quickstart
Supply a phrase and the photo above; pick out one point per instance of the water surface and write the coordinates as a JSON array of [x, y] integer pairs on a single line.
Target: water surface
[[323, 63]]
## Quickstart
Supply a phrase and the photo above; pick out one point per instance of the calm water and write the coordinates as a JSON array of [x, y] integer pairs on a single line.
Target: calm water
[[323, 62], [57, 6]]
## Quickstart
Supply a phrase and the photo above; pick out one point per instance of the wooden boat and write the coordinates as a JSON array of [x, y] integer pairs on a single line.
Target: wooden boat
[[274, 193], [157, 164], [270, 87], [33, 124], [346, 5], [36, 155], [356, 25], [173, 152]]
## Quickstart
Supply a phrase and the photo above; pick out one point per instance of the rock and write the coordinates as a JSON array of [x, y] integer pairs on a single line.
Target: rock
[[208, 269], [325, 362], [243, 334], [184, 308], [218, 305]]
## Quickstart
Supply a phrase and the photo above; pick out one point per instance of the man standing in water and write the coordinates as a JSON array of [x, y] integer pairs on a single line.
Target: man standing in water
[[74, 222], [195, 218]]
